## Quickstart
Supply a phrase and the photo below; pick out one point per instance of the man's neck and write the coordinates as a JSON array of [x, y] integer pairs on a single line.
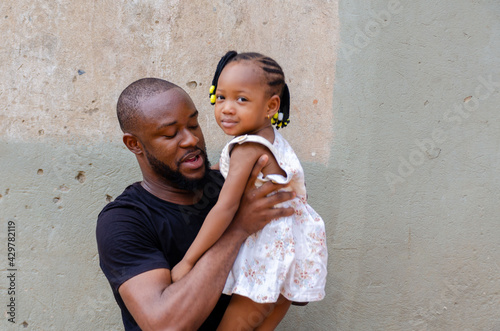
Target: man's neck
[[171, 194]]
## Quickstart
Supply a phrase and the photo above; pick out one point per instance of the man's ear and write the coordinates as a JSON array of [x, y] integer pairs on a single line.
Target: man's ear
[[273, 105], [132, 143]]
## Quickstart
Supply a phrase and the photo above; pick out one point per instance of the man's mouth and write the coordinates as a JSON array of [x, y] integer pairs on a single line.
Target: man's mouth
[[193, 160]]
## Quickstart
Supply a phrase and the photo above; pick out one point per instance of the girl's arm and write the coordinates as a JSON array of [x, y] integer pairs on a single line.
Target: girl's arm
[[243, 157]]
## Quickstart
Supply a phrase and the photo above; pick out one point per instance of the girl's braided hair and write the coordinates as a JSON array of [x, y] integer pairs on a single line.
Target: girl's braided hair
[[274, 77]]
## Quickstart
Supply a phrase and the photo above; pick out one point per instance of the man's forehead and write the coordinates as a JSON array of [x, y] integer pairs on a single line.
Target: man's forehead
[[172, 120], [168, 102]]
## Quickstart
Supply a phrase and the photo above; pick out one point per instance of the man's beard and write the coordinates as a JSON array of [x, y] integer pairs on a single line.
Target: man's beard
[[175, 177]]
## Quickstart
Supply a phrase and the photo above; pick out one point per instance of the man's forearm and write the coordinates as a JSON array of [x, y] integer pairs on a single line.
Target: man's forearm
[[196, 294]]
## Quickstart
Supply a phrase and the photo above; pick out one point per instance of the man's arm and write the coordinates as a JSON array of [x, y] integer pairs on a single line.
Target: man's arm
[[157, 304]]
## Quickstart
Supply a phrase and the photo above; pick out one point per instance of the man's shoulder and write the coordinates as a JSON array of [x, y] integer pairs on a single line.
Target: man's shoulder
[[136, 202], [133, 203], [131, 196]]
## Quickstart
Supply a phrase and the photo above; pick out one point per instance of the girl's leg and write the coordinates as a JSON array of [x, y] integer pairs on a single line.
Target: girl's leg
[[279, 311], [243, 314]]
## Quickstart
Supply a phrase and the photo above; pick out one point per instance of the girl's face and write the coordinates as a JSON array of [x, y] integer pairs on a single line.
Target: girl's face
[[243, 103]]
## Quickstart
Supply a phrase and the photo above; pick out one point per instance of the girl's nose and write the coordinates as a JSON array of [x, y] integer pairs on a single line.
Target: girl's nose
[[228, 108]]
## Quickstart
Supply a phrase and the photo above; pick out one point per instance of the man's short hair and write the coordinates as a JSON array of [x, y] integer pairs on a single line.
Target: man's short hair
[[127, 108]]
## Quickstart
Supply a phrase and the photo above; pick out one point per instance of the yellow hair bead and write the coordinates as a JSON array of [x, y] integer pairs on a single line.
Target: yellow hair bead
[[273, 121], [279, 125], [275, 116], [212, 89], [212, 99]]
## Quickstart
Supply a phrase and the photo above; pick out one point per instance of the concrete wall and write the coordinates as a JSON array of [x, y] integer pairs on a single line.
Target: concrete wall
[[395, 117]]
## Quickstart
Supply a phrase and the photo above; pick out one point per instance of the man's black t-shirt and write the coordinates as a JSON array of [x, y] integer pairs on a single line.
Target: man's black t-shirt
[[139, 232]]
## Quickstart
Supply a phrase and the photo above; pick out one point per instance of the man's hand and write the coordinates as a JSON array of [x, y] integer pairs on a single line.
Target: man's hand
[[256, 206]]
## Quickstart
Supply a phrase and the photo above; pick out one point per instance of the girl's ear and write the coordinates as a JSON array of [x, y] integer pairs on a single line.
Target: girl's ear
[[132, 143], [273, 105]]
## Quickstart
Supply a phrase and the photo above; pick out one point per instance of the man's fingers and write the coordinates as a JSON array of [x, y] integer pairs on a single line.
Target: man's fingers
[[257, 168], [267, 188], [281, 212], [280, 197]]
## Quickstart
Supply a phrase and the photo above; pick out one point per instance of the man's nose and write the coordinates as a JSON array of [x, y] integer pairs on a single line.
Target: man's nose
[[189, 139]]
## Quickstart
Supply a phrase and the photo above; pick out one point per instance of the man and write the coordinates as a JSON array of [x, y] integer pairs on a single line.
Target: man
[[146, 230]]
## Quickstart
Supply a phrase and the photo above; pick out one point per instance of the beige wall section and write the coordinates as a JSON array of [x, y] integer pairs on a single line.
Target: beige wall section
[[68, 61], [402, 163]]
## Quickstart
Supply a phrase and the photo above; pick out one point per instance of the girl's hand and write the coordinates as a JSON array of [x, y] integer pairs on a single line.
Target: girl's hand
[[180, 270]]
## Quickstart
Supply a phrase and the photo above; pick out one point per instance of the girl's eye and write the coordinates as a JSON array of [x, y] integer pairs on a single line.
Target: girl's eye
[[242, 99], [220, 97]]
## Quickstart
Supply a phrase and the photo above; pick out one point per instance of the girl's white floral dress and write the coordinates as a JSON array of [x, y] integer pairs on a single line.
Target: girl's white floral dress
[[289, 255]]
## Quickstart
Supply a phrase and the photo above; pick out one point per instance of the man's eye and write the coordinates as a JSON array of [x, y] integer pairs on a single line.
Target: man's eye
[[170, 136]]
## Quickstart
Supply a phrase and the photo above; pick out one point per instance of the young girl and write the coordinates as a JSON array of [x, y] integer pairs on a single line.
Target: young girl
[[286, 261]]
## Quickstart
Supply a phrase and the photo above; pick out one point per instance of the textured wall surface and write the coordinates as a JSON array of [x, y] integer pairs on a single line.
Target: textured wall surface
[[395, 117], [415, 167], [63, 65]]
